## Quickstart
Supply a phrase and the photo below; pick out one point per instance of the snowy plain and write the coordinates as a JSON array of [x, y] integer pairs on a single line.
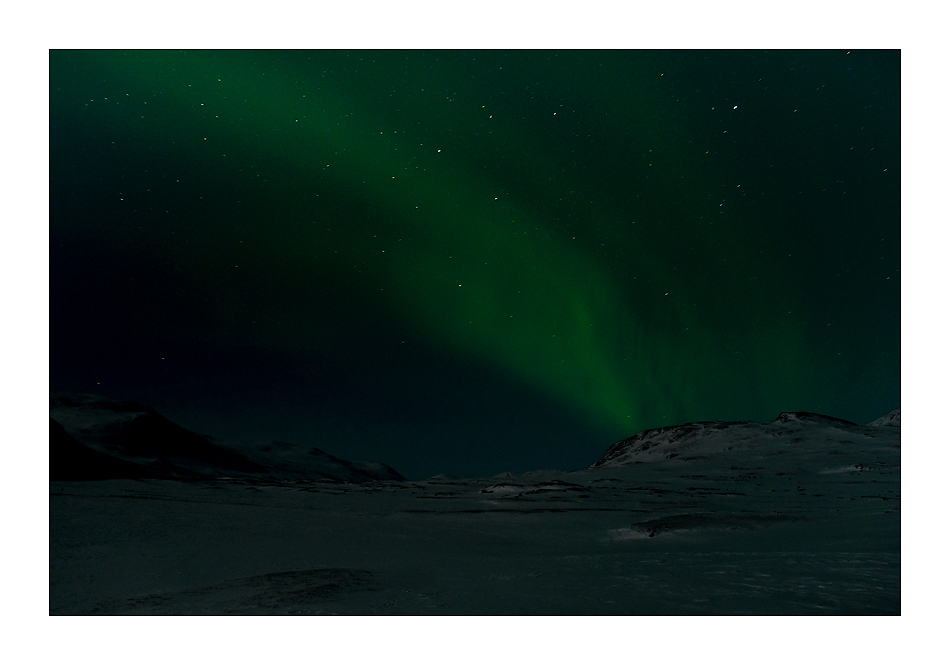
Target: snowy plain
[[799, 516]]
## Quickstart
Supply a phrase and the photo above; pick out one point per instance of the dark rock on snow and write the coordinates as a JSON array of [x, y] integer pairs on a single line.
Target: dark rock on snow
[[71, 460]]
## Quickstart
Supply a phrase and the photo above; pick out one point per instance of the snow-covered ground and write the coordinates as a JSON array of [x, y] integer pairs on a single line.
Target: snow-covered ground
[[797, 516]]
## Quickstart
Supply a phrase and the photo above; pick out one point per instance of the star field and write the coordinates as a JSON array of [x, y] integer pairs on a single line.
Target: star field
[[473, 262]]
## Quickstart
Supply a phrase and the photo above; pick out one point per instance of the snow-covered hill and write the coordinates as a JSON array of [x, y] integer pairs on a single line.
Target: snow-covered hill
[[135, 434], [71, 460], [893, 419], [799, 437]]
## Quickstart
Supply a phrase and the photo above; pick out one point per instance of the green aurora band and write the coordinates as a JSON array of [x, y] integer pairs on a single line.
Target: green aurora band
[[448, 254]]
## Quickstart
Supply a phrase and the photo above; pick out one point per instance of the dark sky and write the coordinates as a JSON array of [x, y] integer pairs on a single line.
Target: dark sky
[[470, 262]]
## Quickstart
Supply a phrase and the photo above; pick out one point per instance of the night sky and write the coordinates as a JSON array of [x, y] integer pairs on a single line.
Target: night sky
[[470, 262]]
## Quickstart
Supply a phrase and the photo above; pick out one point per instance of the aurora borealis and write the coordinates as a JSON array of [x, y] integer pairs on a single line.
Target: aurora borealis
[[472, 262]]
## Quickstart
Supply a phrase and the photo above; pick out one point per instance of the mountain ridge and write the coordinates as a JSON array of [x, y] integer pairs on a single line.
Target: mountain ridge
[[99, 435], [709, 437]]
